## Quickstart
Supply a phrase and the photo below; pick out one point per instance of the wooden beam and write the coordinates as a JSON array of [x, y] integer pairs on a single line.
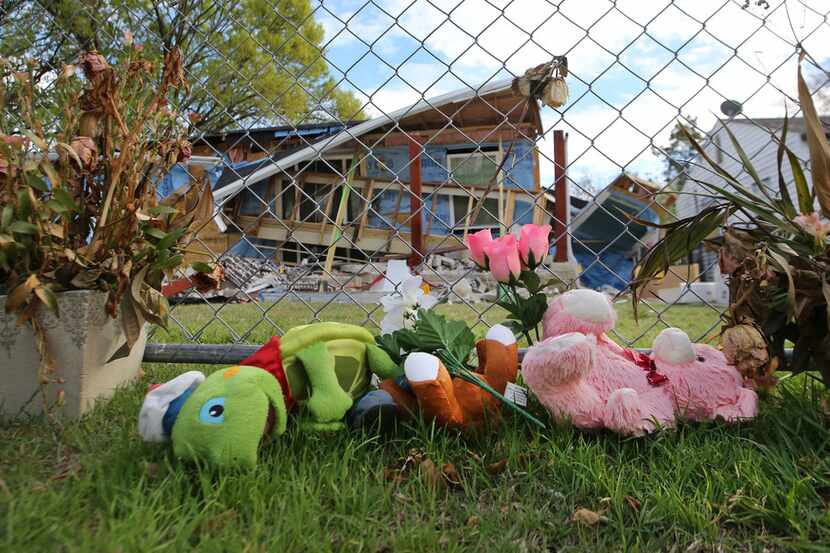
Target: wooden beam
[[327, 210], [509, 209], [560, 184], [455, 136], [415, 204], [368, 190], [467, 217]]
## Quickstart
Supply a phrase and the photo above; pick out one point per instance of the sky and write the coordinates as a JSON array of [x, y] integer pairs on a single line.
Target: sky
[[635, 65]]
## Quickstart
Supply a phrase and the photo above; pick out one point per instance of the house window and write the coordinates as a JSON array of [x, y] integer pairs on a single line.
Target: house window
[[488, 215], [474, 168]]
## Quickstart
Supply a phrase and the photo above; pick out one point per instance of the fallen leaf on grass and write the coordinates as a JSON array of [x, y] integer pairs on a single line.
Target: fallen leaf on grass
[[402, 498], [391, 474], [70, 467], [151, 469], [473, 521], [587, 517], [633, 502], [430, 473], [219, 521], [451, 475], [496, 468]]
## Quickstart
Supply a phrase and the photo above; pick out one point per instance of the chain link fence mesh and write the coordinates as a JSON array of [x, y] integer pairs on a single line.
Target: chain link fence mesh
[[322, 119]]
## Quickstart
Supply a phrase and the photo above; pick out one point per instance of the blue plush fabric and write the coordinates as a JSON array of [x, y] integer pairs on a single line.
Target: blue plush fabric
[[173, 409], [375, 406]]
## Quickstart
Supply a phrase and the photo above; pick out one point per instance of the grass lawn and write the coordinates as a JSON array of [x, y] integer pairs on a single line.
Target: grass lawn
[[97, 487]]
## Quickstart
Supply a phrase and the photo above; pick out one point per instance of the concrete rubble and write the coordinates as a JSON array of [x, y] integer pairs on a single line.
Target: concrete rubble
[[456, 278]]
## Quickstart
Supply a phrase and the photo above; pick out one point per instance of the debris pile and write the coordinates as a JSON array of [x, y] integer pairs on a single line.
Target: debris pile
[[457, 278]]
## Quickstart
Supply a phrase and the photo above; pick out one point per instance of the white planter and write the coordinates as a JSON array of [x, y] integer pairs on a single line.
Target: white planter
[[88, 347]]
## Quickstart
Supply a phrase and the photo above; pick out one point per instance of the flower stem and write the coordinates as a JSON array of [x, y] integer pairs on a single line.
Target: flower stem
[[456, 368]]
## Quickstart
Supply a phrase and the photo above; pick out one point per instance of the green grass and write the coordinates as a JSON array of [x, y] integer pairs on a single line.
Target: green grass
[[96, 487]]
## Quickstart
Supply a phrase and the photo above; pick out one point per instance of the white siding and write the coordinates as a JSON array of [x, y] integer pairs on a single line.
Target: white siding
[[762, 149], [758, 143]]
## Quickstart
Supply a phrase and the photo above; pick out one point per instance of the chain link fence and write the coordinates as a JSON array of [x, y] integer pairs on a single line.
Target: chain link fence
[[350, 142]]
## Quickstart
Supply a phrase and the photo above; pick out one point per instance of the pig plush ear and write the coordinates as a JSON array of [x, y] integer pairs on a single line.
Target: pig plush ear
[[162, 405]]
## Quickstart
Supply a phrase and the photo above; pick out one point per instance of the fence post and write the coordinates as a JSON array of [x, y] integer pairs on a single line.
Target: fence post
[[563, 198], [415, 204]]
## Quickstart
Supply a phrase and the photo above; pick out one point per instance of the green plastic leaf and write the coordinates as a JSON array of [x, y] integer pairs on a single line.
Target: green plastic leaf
[[23, 227], [57, 207], [170, 239], [786, 202], [531, 281], [37, 182], [6, 217], [389, 343], [154, 232], [24, 203], [201, 267], [802, 189], [63, 197]]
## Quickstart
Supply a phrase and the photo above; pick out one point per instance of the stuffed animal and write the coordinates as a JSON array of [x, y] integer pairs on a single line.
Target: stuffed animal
[[222, 419], [454, 402], [580, 374], [703, 385]]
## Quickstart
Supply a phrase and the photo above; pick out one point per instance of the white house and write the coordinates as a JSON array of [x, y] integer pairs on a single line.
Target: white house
[[757, 138]]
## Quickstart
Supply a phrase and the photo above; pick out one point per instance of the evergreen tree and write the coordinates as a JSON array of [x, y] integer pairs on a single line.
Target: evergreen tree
[[678, 153]]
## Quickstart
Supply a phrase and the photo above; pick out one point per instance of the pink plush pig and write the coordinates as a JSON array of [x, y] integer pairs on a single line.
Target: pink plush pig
[[580, 374], [703, 385]]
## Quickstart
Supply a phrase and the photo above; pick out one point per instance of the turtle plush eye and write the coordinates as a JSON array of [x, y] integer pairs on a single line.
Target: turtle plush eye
[[213, 411]]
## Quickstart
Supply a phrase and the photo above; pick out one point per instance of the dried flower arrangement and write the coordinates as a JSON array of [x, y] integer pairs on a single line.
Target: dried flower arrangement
[[78, 187], [776, 256]]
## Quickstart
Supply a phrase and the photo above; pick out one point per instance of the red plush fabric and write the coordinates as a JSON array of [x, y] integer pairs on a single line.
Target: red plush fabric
[[269, 358]]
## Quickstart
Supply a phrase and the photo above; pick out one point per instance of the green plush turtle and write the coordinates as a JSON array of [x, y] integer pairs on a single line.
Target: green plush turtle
[[323, 368]]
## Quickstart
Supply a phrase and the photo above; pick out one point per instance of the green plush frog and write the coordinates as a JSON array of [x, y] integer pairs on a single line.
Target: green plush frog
[[323, 368]]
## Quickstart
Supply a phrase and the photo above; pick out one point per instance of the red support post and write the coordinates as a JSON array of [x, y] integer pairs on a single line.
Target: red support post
[[562, 196], [415, 204]]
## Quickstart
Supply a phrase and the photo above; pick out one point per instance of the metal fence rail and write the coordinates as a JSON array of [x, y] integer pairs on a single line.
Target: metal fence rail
[[339, 135]]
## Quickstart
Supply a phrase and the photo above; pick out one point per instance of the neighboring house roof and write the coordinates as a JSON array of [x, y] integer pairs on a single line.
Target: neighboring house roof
[[274, 166], [306, 129], [795, 124], [233, 172]]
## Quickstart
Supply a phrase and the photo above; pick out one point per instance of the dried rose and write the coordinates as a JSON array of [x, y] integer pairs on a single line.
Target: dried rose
[[194, 117], [185, 150], [728, 262], [67, 71], [86, 151], [93, 63], [745, 348]]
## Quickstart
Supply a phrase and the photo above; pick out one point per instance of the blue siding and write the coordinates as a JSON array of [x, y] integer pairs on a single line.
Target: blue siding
[[393, 163]]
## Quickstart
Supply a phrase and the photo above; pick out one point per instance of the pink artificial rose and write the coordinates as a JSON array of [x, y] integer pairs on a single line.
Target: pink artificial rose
[[86, 150], [813, 224], [533, 243], [503, 255], [477, 244]]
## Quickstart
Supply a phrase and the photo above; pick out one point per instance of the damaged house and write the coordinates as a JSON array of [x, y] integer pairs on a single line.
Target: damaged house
[[397, 185]]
